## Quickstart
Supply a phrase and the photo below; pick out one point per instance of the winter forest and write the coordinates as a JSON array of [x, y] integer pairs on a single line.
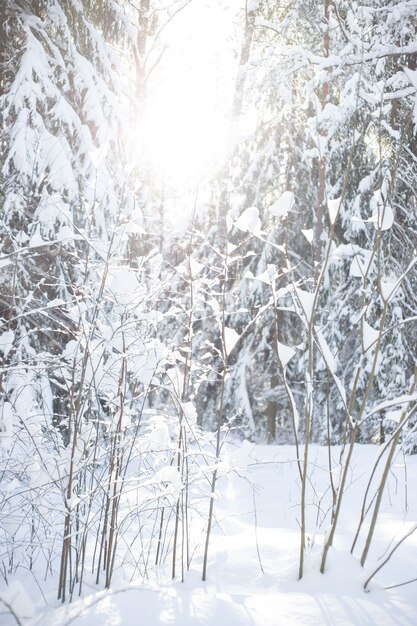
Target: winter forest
[[208, 307]]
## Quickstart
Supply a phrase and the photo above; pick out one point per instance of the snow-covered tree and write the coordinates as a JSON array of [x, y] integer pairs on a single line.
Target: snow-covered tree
[[330, 92], [64, 196]]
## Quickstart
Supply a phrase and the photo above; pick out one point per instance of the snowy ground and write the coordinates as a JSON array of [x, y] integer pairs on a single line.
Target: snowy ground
[[252, 575]]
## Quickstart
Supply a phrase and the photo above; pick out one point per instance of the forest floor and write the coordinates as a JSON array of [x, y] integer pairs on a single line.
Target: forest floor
[[252, 575]]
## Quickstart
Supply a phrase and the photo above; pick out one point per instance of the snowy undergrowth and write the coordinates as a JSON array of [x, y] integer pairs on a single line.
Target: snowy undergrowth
[[253, 562], [123, 505]]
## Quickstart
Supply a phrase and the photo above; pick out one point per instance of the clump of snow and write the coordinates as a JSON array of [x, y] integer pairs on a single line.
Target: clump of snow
[[285, 354], [283, 205], [65, 233], [159, 437], [369, 335], [6, 342], [412, 76], [5, 262], [387, 289], [124, 285], [382, 214], [56, 302], [190, 412], [249, 221], [231, 337], [132, 228], [361, 260], [71, 349], [169, 477], [252, 5], [268, 276], [383, 217], [36, 239], [6, 425], [22, 237], [308, 234], [195, 267], [333, 206], [325, 350], [306, 300]]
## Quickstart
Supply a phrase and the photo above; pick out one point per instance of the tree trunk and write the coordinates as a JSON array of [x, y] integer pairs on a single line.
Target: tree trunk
[[320, 217]]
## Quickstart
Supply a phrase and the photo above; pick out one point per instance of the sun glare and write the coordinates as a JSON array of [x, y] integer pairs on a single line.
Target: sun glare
[[185, 125], [184, 137]]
